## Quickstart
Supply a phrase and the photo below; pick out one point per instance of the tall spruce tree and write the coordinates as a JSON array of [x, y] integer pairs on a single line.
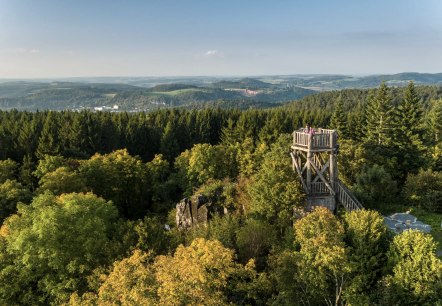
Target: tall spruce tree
[[379, 121], [26, 170], [408, 131], [169, 146], [434, 118], [229, 133], [339, 119], [48, 143], [435, 121]]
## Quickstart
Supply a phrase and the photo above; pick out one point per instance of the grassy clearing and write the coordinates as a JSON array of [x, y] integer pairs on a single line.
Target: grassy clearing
[[177, 92], [109, 95], [433, 219]]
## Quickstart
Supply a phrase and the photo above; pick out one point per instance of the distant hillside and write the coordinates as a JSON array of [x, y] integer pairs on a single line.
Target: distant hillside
[[57, 95], [151, 93], [67, 95], [170, 87], [246, 83], [354, 98], [330, 82]]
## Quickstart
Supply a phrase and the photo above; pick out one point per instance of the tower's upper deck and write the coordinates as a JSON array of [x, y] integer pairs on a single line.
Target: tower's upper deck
[[319, 140]]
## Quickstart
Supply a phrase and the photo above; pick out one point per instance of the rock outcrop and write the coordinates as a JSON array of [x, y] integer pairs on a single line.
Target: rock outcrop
[[196, 211]]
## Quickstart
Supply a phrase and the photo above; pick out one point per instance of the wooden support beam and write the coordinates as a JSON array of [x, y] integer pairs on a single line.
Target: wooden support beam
[[325, 167], [333, 160], [309, 158], [323, 179], [306, 189]]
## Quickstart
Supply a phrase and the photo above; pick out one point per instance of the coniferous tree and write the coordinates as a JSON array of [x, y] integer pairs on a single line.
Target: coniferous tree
[[229, 133], [26, 170], [76, 135], [339, 119], [379, 117], [408, 131], [169, 146], [435, 133], [48, 143], [26, 138]]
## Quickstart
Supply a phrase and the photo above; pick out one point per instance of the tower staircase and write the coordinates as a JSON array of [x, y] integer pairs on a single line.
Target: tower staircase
[[314, 159]]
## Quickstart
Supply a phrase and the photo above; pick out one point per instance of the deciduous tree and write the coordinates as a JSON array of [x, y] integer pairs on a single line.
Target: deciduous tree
[[416, 278], [54, 244]]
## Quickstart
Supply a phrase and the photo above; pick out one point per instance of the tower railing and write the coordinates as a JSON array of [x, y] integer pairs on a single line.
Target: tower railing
[[319, 188], [321, 139], [346, 198]]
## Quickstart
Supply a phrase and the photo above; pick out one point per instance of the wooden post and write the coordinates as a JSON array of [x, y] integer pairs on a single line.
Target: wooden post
[[309, 160], [333, 160], [333, 168]]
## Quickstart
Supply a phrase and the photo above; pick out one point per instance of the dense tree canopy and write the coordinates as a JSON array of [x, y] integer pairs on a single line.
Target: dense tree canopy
[[53, 245], [87, 205]]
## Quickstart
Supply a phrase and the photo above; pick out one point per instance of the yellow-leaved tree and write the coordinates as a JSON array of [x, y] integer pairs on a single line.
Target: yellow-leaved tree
[[198, 274], [323, 255]]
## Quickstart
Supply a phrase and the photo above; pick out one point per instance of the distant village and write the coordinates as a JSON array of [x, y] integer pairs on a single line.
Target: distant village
[[111, 109]]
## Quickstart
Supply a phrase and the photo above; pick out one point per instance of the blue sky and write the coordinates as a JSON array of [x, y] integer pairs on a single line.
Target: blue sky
[[60, 38]]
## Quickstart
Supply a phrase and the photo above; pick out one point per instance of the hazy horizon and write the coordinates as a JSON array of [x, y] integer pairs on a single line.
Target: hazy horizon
[[204, 76], [82, 39]]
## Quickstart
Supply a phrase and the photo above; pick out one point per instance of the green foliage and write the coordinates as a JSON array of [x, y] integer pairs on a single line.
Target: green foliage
[[26, 172], [285, 273], [54, 244], [416, 278], [11, 193], [48, 143], [202, 163], [368, 240], [121, 178], [425, 190], [199, 274], [322, 268], [274, 189], [435, 133], [219, 193], [161, 188], [435, 124], [221, 228], [379, 117], [62, 180], [339, 119], [351, 160], [432, 219], [254, 240], [375, 187], [229, 133], [8, 169], [150, 235], [408, 136], [250, 158], [131, 282], [49, 163], [169, 145]]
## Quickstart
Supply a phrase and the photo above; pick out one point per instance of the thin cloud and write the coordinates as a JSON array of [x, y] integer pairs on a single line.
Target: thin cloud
[[213, 53], [27, 51]]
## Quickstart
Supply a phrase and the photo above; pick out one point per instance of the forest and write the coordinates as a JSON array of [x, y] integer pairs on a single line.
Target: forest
[[88, 205]]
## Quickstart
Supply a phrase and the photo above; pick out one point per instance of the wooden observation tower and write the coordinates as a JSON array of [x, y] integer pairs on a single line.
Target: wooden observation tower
[[314, 158]]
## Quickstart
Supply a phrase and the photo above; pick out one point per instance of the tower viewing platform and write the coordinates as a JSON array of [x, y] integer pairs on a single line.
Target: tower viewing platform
[[319, 140], [314, 158]]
